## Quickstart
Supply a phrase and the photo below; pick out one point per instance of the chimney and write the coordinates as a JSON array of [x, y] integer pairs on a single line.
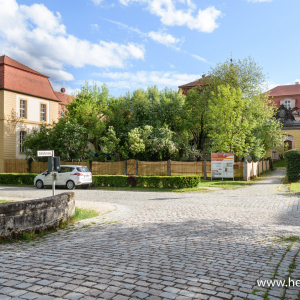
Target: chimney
[[297, 82]]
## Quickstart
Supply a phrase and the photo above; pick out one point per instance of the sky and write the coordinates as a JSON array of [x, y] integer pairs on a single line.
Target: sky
[[132, 44]]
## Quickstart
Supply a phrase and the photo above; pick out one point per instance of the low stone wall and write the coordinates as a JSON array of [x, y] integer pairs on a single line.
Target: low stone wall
[[35, 215]]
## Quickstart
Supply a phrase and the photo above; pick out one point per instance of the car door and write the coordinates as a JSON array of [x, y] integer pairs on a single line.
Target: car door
[[64, 175], [47, 178]]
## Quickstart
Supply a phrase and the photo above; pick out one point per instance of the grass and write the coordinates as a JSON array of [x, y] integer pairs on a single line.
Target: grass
[[295, 187], [279, 163], [6, 201], [80, 214]]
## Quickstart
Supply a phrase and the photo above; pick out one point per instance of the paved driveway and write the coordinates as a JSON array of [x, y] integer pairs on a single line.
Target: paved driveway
[[212, 245]]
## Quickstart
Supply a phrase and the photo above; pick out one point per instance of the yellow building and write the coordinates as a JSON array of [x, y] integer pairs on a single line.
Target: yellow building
[[27, 100]]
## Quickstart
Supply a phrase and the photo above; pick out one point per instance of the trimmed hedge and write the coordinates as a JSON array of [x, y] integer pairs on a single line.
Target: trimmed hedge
[[16, 178], [110, 180], [292, 160], [173, 182]]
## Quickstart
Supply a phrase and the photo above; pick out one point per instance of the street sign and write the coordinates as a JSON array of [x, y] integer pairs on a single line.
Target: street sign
[[46, 153]]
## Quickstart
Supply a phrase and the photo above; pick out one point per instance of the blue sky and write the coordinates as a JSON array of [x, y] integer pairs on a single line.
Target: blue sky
[[131, 44]]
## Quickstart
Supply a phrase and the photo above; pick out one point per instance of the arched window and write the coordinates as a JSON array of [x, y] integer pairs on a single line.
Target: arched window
[[22, 137]]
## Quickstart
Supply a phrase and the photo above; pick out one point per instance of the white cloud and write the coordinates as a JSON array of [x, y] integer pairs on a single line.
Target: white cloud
[[201, 20], [142, 79], [97, 2], [95, 26], [36, 37], [160, 36], [163, 38], [172, 66]]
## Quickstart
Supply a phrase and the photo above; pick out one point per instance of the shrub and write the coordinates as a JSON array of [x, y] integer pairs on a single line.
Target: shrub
[[132, 180], [292, 158], [172, 182], [110, 180], [16, 178]]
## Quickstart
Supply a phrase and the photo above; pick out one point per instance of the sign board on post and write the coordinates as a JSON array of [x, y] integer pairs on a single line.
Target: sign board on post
[[46, 153], [222, 165]]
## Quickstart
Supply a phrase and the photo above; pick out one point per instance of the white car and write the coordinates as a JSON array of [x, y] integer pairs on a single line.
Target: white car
[[69, 176]]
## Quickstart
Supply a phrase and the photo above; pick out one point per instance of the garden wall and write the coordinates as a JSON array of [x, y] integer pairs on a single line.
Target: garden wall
[[35, 215]]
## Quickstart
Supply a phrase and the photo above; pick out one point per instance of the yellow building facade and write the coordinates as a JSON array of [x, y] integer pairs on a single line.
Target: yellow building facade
[[27, 100]]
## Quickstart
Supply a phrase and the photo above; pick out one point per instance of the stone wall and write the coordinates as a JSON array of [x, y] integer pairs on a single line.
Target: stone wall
[[35, 215]]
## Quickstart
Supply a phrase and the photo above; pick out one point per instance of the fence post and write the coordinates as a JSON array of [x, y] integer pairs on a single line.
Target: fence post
[[245, 170], [169, 167], [91, 165], [125, 167], [205, 174], [137, 167]]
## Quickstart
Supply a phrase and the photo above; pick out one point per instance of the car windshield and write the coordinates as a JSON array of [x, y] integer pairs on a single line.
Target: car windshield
[[82, 169]]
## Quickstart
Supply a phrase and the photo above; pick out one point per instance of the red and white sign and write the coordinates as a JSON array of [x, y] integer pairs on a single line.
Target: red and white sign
[[222, 165]]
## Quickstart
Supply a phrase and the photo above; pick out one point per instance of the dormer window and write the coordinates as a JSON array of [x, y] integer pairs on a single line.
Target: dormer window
[[288, 103]]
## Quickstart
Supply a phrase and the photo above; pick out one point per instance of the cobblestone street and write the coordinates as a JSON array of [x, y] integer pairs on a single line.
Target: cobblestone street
[[161, 245]]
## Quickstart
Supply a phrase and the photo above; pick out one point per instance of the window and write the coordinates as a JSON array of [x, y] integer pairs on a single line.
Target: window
[[287, 104], [66, 169], [22, 137], [43, 112], [23, 106], [82, 169]]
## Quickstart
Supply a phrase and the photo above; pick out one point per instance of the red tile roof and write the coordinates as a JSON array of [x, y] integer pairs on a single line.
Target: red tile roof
[[64, 98], [285, 90], [202, 81], [19, 78]]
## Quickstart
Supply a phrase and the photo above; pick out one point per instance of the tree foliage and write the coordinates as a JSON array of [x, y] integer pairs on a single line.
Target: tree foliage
[[230, 113]]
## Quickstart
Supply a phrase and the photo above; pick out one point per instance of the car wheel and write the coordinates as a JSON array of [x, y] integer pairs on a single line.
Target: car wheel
[[39, 184], [84, 186], [70, 185]]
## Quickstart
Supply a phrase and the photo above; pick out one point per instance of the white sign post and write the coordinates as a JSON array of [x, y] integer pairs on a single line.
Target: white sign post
[[50, 153]]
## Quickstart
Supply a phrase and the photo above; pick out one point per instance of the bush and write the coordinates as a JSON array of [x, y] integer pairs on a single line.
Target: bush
[[110, 180], [16, 178], [132, 180], [292, 158], [173, 182]]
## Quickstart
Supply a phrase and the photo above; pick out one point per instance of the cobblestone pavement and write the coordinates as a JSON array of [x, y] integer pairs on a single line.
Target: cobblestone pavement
[[164, 246]]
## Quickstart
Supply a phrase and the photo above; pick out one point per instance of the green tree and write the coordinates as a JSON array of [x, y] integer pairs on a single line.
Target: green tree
[[241, 124], [67, 138], [90, 109], [232, 111]]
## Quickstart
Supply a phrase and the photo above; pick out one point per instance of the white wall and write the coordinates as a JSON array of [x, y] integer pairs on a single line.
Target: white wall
[[33, 107]]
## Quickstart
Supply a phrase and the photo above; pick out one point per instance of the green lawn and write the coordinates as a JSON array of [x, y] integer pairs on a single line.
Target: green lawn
[[279, 164], [295, 187]]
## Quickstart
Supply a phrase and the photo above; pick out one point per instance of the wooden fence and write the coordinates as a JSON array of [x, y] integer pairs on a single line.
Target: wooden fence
[[244, 170]]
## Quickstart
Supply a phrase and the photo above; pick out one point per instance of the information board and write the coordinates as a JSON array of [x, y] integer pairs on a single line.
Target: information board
[[222, 165]]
